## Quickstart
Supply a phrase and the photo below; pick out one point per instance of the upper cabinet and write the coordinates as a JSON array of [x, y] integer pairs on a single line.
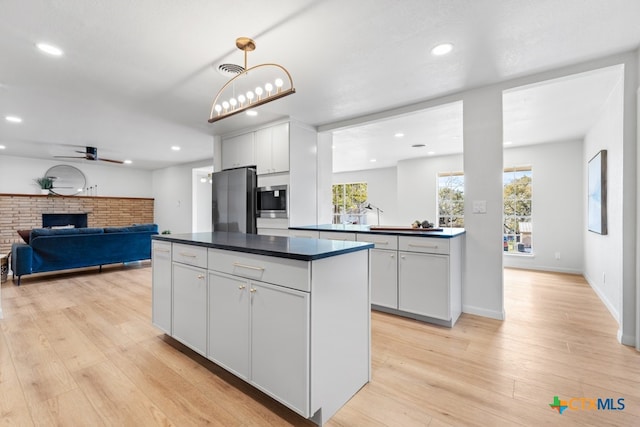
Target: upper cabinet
[[238, 151], [272, 149], [267, 149]]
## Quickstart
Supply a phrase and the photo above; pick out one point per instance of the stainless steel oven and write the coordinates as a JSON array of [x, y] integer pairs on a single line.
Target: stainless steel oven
[[272, 201]]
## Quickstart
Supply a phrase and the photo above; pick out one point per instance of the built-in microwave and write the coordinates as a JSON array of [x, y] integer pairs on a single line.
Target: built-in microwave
[[272, 201]]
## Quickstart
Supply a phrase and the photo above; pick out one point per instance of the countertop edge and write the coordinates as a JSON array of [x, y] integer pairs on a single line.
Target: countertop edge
[[265, 252], [434, 234]]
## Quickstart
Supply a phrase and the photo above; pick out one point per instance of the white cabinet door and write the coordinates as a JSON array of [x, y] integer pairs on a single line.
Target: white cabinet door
[[229, 323], [238, 151], [280, 344], [338, 235], [272, 149], [423, 284], [263, 151], [384, 277], [161, 286], [189, 324], [280, 148]]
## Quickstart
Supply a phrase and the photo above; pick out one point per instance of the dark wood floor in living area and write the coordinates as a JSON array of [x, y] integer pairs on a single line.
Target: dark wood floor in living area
[[79, 349]]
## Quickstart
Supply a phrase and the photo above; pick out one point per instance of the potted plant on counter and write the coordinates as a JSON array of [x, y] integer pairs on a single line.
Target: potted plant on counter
[[45, 183]]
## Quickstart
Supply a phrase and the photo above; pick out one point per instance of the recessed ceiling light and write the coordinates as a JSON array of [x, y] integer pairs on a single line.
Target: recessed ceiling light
[[252, 113], [373, 160], [418, 145], [399, 135], [127, 162], [175, 148], [508, 142], [13, 119], [431, 153], [442, 49], [50, 49], [2, 147]]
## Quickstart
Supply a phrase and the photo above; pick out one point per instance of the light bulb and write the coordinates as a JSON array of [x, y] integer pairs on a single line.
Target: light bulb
[[250, 96], [259, 91], [241, 99], [233, 102], [225, 105], [268, 87], [218, 108], [279, 83]]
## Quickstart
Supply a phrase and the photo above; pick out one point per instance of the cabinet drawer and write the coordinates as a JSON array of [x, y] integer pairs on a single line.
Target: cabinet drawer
[[191, 255], [310, 234], [382, 241], [161, 250], [338, 235], [430, 245], [286, 272]]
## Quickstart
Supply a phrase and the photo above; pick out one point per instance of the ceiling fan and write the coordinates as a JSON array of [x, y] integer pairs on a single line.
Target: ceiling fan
[[90, 153]]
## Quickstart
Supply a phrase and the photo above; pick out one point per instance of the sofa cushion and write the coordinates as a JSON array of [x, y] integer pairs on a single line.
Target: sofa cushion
[[132, 228], [37, 232]]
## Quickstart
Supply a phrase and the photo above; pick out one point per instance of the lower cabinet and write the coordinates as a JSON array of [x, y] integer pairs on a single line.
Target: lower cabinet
[[424, 284], [161, 291], [260, 332], [190, 306], [384, 277]]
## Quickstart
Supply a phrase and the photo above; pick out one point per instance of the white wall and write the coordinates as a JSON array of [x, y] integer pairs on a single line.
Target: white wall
[[17, 175], [603, 265], [558, 205], [172, 192], [418, 186], [382, 190]]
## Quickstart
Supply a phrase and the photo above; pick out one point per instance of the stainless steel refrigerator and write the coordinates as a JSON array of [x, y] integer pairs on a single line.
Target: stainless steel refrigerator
[[234, 200]]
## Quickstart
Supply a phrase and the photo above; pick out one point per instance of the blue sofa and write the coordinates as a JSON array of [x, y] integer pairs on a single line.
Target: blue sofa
[[61, 249]]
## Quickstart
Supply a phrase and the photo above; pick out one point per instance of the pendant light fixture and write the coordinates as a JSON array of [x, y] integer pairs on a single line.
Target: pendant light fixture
[[251, 87]]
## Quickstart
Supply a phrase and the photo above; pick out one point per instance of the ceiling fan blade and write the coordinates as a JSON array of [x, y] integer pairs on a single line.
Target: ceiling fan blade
[[110, 160]]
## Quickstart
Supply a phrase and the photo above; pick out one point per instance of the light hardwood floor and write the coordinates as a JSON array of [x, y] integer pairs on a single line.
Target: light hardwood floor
[[79, 349]]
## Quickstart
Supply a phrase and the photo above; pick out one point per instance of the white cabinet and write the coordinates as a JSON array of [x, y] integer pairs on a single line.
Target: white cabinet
[[260, 332], [161, 292], [424, 284], [189, 319], [229, 323], [384, 277], [272, 149], [238, 151], [280, 343]]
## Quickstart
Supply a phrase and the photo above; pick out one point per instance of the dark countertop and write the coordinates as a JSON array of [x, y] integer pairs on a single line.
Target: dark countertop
[[446, 233], [277, 246]]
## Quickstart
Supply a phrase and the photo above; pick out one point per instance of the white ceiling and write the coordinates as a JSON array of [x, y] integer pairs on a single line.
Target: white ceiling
[[139, 77]]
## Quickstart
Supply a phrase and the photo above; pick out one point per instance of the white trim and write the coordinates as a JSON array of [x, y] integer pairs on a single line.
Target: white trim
[[606, 302], [492, 314]]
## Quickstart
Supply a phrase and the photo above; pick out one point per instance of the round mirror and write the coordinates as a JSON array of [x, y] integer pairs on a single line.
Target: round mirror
[[67, 180]]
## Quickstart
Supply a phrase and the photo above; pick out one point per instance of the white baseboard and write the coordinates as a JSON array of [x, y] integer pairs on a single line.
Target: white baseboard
[[478, 311], [629, 340], [604, 300]]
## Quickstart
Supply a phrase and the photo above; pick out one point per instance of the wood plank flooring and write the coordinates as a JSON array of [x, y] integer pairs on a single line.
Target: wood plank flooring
[[78, 349]]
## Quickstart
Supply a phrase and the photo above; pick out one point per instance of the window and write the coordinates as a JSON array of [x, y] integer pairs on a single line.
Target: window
[[518, 229], [348, 200], [451, 199]]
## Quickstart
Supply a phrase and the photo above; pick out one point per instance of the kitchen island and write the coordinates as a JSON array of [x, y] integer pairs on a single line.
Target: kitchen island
[[288, 315], [414, 273]]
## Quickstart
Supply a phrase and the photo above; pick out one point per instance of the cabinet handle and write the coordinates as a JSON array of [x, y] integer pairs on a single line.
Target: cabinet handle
[[188, 255], [305, 237], [162, 250], [241, 287], [250, 267], [392, 256], [200, 276], [253, 290], [380, 243], [423, 246], [402, 256]]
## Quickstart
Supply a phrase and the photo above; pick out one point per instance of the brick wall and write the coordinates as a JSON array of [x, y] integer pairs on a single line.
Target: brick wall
[[24, 212]]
